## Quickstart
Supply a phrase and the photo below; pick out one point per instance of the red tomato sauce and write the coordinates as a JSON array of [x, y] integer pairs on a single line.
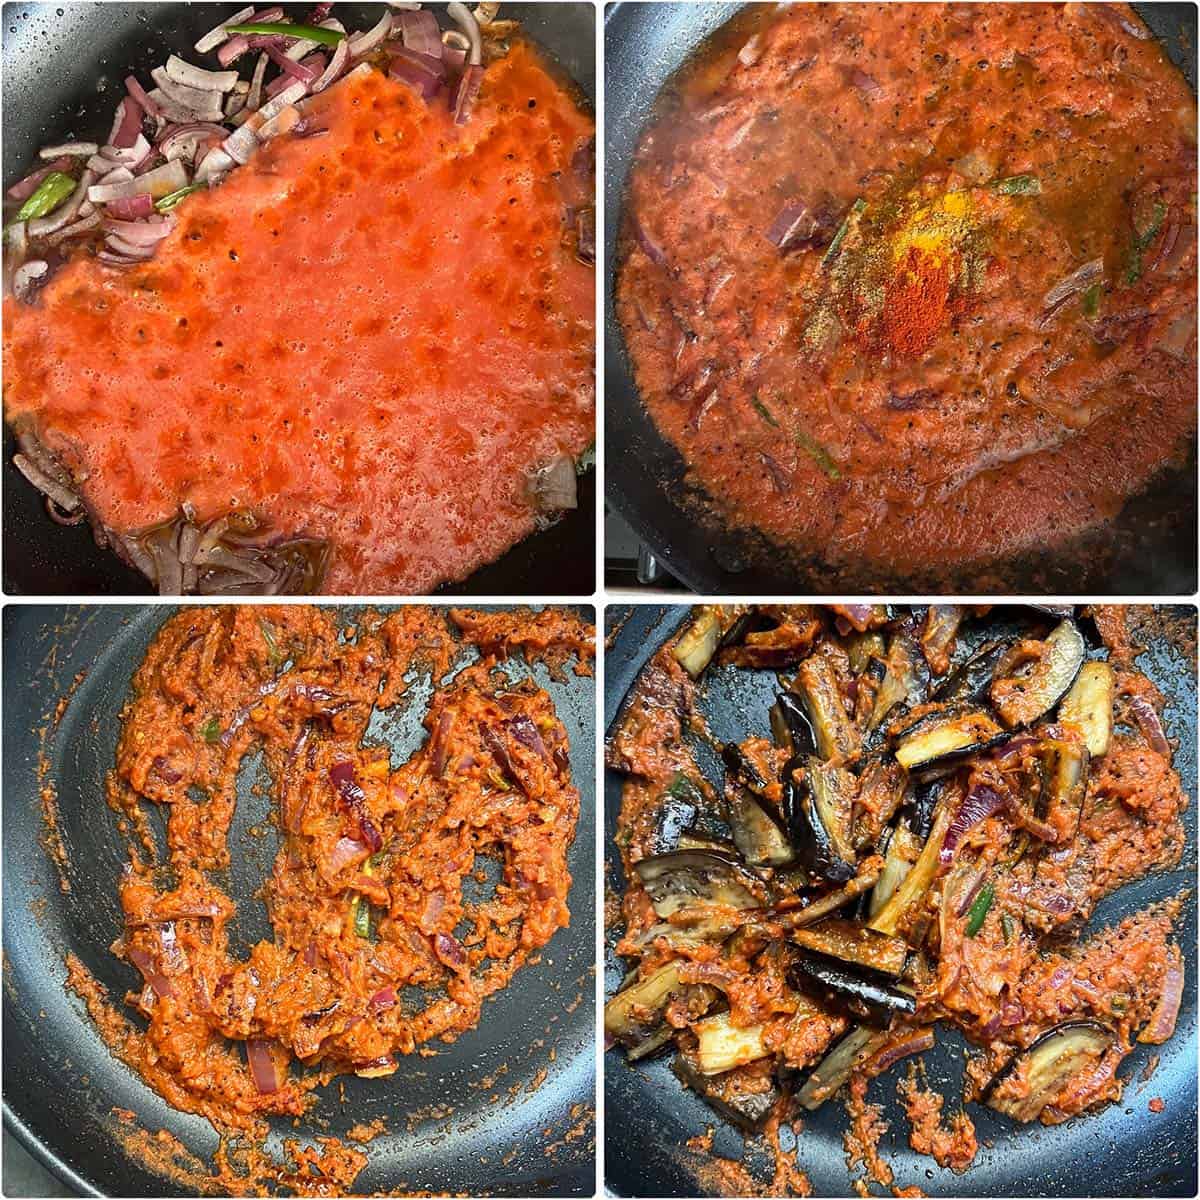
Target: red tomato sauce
[[369, 336], [897, 389]]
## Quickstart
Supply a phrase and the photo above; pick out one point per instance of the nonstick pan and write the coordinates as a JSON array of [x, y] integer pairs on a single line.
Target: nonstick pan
[[505, 1110], [1125, 1150], [1150, 549], [63, 70]]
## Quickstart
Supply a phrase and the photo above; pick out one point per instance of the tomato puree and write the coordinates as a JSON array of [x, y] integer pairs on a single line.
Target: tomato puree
[[368, 336], [911, 287]]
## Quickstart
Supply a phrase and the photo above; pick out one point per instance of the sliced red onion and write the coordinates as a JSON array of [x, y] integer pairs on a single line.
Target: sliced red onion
[[363, 43], [119, 245], [197, 77], [342, 776], [181, 114], [24, 188], [384, 999], [205, 104], [419, 31], [218, 34], [867, 84], [467, 93], [215, 166], [68, 150], [182, 141], [128, 156], [347, 850], [27, 279], [455, 48], [283, 121], [1161, 1025], [155, 978], [1150, 724], [140, 233], [262, 1066], [969, 893], [141, 97], [289, 66], [120, 260], [794, 223], [290, 94], [1078, 281], [131, 208], [979, 803], [127, 125], [233, 49], [752, 51], [916, 1042], [462, 17], [585, 235], [525, 732], [419, 71], [88, 223], [161, 181], [553, 486], [449, 951], [337, 64], [653, 250]]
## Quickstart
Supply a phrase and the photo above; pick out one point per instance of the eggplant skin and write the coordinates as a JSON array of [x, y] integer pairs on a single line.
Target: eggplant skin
[[790, 726], [861, 993], [943, 736], [687, 878], [1050, 1061], [1022, 699], [747, 1109], [756, 832], [973, 679], [821, 848], [1088, 706]]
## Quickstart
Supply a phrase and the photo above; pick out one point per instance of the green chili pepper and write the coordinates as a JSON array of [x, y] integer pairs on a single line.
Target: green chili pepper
[[171, 199], [311, 33], [51, 192], [763, 411], [818, 454], [361, 912], [838, 238], [211, 730], [1091, 300], [1017, 185], [979, 910], [1141, 241], [1007, 927]]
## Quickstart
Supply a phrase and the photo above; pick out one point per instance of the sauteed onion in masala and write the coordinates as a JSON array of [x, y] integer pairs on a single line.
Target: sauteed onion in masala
[[319, 315], [911, 287], [402, 895], [918, 838]]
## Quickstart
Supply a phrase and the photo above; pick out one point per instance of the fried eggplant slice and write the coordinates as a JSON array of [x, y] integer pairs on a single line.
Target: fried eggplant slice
[[635, 1012], [710, 625], [1088, 706], [1036, 1076], [858, 945], [904, 677], [1063, 770], [693, 878], [864, 994], [916, 883], [790, 727], [817, 686], [759, 837], [946, 735], [817, 803], [744, 1095], [724, 1045], [972, 680], [939, 635], [1028, 685], [903, 850]]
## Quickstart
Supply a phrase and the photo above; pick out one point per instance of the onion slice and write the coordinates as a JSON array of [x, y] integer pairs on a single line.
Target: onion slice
[[363, 43], [187, 75], [215, 36], [1161, 1026], [162, 181], [262, 1066], [69, 149], [461, 16]]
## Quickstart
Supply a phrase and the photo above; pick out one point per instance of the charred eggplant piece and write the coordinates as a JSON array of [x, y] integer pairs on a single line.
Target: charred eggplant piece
[[917, 881], [790, 639], [693, 878], [865, 649], [946, 735], [724, 1045], [939, 635], [698, 839], [730, 1093], [903, 679], [737, 763], [817, 686], [756, 832], [972, 681], [862, 994], [1063, 767], [1088, 706], [1030, 689], [816, 809], [711, 624], [676, 810], [882, 786], [858, 945], [635, 1012], [790, 726], [1035, 1077], [903, 850], [838, 1065]]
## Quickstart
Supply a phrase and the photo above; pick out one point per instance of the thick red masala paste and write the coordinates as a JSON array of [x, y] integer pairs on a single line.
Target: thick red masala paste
[[912, 286], [369, 336]]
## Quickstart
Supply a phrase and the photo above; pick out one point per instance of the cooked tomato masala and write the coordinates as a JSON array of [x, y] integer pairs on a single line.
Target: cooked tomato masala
[[911, 287], [371, 334], [386, 932]]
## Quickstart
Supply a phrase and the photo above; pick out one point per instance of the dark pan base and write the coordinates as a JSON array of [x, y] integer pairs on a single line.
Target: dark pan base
[[506, 1134], [1125, 1150], [87, 49]]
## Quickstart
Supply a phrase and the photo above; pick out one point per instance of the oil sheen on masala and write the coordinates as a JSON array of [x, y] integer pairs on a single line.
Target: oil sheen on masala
[[911, 287], [366, 895], [371, 336]]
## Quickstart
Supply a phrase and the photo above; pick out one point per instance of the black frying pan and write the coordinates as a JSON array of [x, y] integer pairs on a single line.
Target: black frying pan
[[63, 71], [1125, 1150], [1151, 549], [507, 1132]]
